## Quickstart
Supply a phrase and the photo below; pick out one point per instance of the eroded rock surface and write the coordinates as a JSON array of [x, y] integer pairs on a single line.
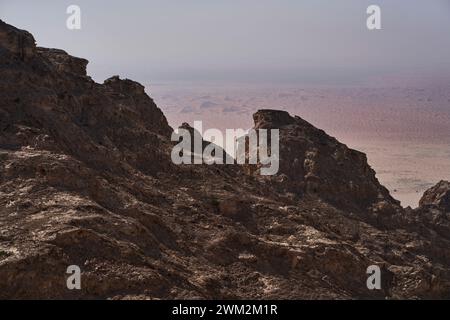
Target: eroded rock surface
[[438, 196], [315, 163], [86, 179]]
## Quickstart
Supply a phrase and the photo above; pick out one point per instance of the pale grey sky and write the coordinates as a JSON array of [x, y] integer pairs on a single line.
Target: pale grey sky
[[316, 41]]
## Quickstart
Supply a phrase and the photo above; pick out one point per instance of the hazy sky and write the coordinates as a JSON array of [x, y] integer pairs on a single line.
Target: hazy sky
[[317, 41]]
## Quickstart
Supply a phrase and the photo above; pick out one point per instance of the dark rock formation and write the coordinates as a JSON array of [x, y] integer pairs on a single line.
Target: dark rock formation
[[18, 42], [438, 196], [86, 179], [63, 62], [315, 163], [195, 134]]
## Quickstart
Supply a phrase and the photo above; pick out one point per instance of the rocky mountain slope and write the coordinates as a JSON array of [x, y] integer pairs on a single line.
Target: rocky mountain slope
[[86, 179]]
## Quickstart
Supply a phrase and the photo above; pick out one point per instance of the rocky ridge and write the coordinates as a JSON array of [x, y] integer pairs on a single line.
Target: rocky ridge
[[86, 179]]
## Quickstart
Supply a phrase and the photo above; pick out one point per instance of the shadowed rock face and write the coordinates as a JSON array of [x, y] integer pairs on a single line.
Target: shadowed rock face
[[63, 62], [49, 103], [315, 163], [86, 179], [195, 134], [438, 196], [18, 42]]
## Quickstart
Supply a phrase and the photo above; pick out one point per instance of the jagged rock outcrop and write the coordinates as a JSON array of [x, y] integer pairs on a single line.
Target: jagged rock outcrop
[[437, 196], [64, 62], [204, 145], [434, 210], [315, 163], [19, 42], [48, 103], [86, 179]]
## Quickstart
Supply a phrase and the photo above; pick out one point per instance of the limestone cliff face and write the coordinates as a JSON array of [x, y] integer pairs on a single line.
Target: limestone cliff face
[[86, 179]]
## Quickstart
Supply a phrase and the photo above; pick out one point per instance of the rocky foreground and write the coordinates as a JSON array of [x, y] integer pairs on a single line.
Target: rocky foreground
[[86, 179]]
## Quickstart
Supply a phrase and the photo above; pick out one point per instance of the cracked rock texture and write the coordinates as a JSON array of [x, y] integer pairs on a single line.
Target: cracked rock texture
[[86, 179]]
